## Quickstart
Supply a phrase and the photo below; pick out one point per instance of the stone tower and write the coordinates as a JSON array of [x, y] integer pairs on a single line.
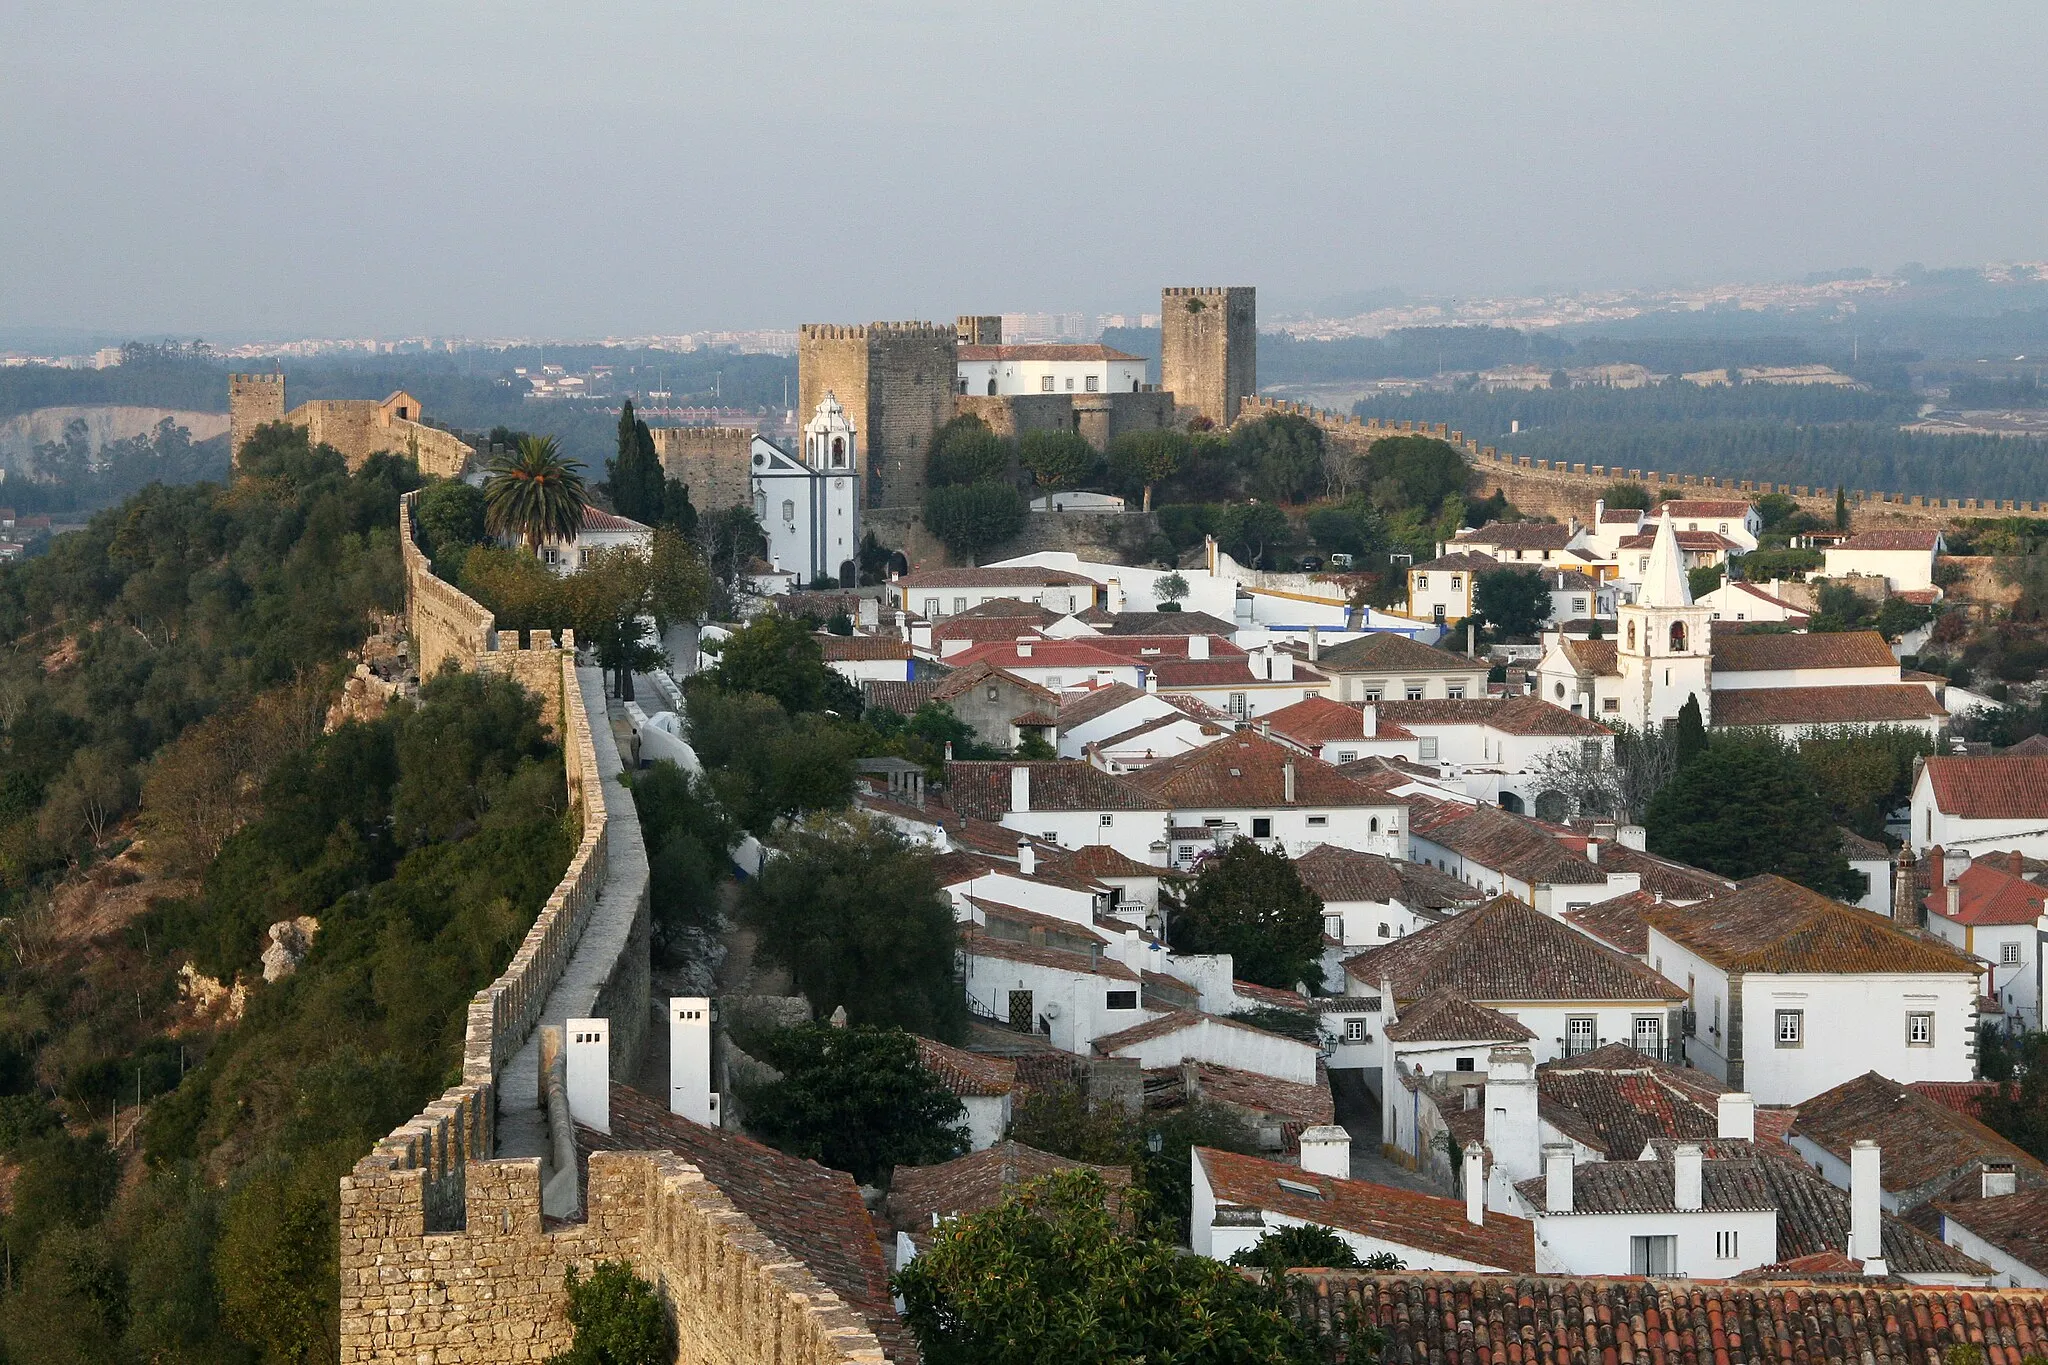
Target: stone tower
[[253, 399], [895, 380], [1209, 350], [1665, 652], [984, 329]]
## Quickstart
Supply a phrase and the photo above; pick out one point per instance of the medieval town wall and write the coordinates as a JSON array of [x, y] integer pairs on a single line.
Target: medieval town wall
[[357, 427], [1100, 417], [1209, 350], [896, 381], [713, 461]]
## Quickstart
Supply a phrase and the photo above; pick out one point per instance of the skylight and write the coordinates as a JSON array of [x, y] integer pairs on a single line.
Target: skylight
[[1296, 1187]]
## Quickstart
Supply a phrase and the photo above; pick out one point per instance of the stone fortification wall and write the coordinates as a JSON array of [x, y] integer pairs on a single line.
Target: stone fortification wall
[[253, 399], [896, 382], [713, 461], [1562, 489], [357, 427], [1100, 417], [1209, 349]]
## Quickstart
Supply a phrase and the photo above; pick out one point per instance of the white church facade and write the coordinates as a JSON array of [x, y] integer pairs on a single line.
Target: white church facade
[[810, 506]]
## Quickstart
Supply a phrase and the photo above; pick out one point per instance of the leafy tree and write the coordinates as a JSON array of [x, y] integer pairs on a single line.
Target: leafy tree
[[619, 1319], [277, 1255], [854, 911], [535, 494], [634, 477], [71, 1302], [1171, 590], [765, 765], [1841, 509], [1282, 454], [729, 541], [1351, 528], [1864, 775], [855, 1099], [65, 1181], [688, 837], [972, 519], [1247, 530], [1057, 459], [1141, 460], [1053, 1274], [1704, 579], [965, 451], [449, 516], [1253, 905], [1413, 471], [95, 789], [1511, 602], [1747, 806], [209, 783], [1692, 732], [1626, 496], [778, 656], [1305, 1244]]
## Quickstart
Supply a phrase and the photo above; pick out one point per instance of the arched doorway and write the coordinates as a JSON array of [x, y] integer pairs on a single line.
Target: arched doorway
[[847, 574], [1512, 804]]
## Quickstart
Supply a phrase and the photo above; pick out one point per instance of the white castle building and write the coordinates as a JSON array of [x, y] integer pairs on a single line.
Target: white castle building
[[810, 507]]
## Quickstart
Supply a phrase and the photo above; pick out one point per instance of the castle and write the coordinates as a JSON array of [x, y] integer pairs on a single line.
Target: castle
[[357, 427]]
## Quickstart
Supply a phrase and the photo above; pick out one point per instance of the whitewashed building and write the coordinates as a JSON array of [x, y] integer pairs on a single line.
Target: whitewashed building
[[810, 506], [1001, 371], [1975, 804], [1903, 559]]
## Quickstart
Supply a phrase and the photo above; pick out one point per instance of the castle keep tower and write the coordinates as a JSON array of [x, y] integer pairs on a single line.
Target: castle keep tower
[[895, 381], [979, 329], [253, 399], [1209, 349]]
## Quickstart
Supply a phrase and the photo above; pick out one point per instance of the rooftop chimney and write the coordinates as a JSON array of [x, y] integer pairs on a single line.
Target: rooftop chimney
[[1632, 836], [1592, 850], [949, 751], [1287, 781], [1906, 889], [1326, 1150], [1151, 679], [1315, 643], [1866, 1218], [1955, 899], [1023, 647], [1511, 1130], [1557, 1177], [588, 1052], [1475, 1184], [1027, 858], [689, 1060], [1020, 787], [1198, 646], [1471, 639], [1688, 1168], [1372, 721], [1736, 1116], [2000, 1178], [1937, 866]]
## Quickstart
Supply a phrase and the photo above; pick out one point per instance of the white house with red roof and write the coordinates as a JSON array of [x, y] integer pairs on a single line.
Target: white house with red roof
[[1001, 371], [938, 593], [601, 530], [1054, 664], [1260, 789], [1903, 559], [1733, 518], [1986, 906], [1976, 804], [1738, 599]]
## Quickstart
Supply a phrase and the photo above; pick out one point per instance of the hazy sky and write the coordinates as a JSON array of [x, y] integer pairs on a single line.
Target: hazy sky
[[581, 168]]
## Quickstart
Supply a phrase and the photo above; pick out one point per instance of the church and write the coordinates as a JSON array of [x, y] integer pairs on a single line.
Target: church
[[810, 507]]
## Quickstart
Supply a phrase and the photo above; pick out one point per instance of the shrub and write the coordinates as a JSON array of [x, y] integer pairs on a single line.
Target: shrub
[[618, 1317]]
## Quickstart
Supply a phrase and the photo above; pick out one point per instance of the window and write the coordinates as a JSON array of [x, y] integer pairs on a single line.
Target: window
[[1578, 1034], [1262, 827], [1919, 1029], [1108, 820], [1120, 1000], [1611, 704], [1318, 822], [1678, 637], [1725, 1242], [1579, 605], [1652, 1255], [1309, 694], [1354, 1030], [1422, 582], [1070, 383], [1791, 1028], [2009, 953], [788, 509], [1333, 925], [959, 604], [1094, 384], [1237, 706], [1347, 755], [1426, 747], [1413, 691], [1649, 1035], [1373, 694], [1465, 1064], [1643, 564], [1631, 637], [931, 608], [1045, 384], [994, 693], [1724, 528], [1454, 691], [1385, 932], [1373, 824], [1589, 751], [1457, 582]]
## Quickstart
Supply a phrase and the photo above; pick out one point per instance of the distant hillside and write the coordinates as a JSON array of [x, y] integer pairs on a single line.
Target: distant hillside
[[105, 424]]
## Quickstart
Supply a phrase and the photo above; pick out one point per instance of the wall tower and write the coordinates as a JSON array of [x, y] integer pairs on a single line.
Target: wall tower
[[1209, 349], [895, 381], [982, 329], [253, 399]]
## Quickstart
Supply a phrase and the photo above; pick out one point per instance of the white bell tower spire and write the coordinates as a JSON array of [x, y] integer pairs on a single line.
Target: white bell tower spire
[[1665, 653]]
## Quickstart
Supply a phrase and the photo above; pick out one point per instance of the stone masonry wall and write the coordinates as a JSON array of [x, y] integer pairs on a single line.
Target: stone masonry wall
[[1561, 489], [357, 427], [253, 399], [896, 380], [711, 460], [1100, 417], [1208, 349]]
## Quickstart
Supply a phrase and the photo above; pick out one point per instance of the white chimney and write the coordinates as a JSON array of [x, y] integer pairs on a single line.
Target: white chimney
[[1023, 648], [1027, 858], [1151, 679], [1955, 900], [1283, 666], [689, 1060], [1599, 510], [1372, 721], [1999, 1179], [949, 751], [1475, 1184], [1198, 646], [1511, 1133], [1115, 597], [1593, 851], [1866, 1218], [1688, 1170], [1326, 1150], [1736, 1116], [1633, 836], [588, 1054], [1557, 1177], [1020, 787], [1287, 781], [1315, 643]]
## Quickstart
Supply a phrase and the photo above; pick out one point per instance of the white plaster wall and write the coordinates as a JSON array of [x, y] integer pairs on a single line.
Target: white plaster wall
[[2011, 1271], [1268, 1054], [1598, 1243], [1853, 1024]]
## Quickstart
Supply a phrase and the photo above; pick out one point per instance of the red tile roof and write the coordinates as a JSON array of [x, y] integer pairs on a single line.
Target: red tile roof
[[1306, 1105], [2017, 1224], [983, 789], [1247, 772], [1768, 924], [980, 1180], [1509, 843], [1510, 715], [1108, 1044], [967, 1073], [1891, 540], [1618, 922], [1427, 1222], [1503, 953], [1929, 1149], [1078, 708], [1893, 703], [1382, 651], [1344, 874], [1315, 721], [1170, 623], [597, 519], [968, 675], [1097, 861], [1468, 561], [1965, 1097], [1597, 658], [1076, 654], [1518, 535], [1447, 1017], [1702, 509], [1987, 894], [1687, 540], [1622, 1099], [848, 648], [1737, 653], [1997, 788], [976, 943]]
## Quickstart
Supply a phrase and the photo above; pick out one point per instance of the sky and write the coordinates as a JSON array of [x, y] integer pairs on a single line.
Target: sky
[[491, 168]]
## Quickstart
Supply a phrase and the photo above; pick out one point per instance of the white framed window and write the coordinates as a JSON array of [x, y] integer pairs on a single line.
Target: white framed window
[[1107, 819], [1347, 755], [1427, 747], [1354, 1030], [1333, 925], [1318, 821], [1094, 384], [1309, 694], [1422, 582], [1791, 1030], [1457, 582], [1120, 1000], [1070, 383], [1919, 1028], [1372, 694], [1653, 1255], [1610, 704], [1650, 1035], [931, 608], [789, 509], [1578, 1034], [1725, 1245], [1579, 604], [1724, 528], [1385, 930], [1413, 691], [1237, 705], [959, 604], [2009, 954], [1045, 384], [1052, 680]]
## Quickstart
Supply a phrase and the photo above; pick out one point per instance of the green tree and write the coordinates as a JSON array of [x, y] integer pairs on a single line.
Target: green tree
[[854, 911], [779, 656], [729, 541], [1841, 509], [1053, 1274], [70, 1303], [619, 1319], [1171, 590], [965, 451], [1747, 806], [855, 1099], [1057, 459], [1511, 602], [1304, 1244], [1139, 461], [1625, 496], [1692, 732], [634, 476], [449, 516], [277, 1258], [1704, 579], [1864, 775], [972, 519], [1282, 455], [1413, 471], [1247, 530], [762, 763], [535, 493], [689, 836], [1253, 905], [1351, 528]]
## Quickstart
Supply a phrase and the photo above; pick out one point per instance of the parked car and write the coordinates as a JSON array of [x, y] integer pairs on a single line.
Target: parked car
[[1340, 561], [1311, 563]]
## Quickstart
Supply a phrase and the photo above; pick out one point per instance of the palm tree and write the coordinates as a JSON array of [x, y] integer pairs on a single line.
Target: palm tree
[[535, 493]]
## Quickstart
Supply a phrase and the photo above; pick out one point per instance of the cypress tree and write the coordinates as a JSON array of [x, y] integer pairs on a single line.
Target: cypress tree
[[1692, 732], [1841, 509], [635, 476]]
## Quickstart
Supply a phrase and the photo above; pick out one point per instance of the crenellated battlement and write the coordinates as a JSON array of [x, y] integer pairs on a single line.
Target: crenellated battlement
[[1204, 290]]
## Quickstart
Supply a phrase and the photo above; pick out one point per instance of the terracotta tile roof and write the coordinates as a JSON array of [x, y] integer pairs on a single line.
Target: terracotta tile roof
[[1307, 1105], [1163, 992], [1045, 351], [1170, 623], [976, 943], [901, 697], [1701, 509], [1989, 894], [1518, 535], [1148, 648], [1447, 1017], [969, 675], [1246, 772], [849, 648], [1891, 540], [1630, 1186], [1108, 1044], [1896, 703], [1097, 861], [1664, 877], [1509, 843], [1793, 614], [1381, 651], [1467, 561], [1595, 658], [959, 865], [1505, 952], [1768, 924], [967, 1074], [1965, 1097], [1856, 848], [1427, 1222], [1197, 709], [1078, 708], [1315, 721], [1008, 654], [1272, 997], [1020, 577], [1510, 715], [597, 519], [1009, 610], [1124, 743], [983, 789], [1687, 540], [982, 629], [1618, 921], [1624, 1099], [1032, 720], [1052, 931], [1631, 515], [980, 1180], [1233, 672], [1344, 874], [814, 1214], [2017, 1224], [1928, 1148], [1997, 788], [1739, 653], [2033, 746]]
